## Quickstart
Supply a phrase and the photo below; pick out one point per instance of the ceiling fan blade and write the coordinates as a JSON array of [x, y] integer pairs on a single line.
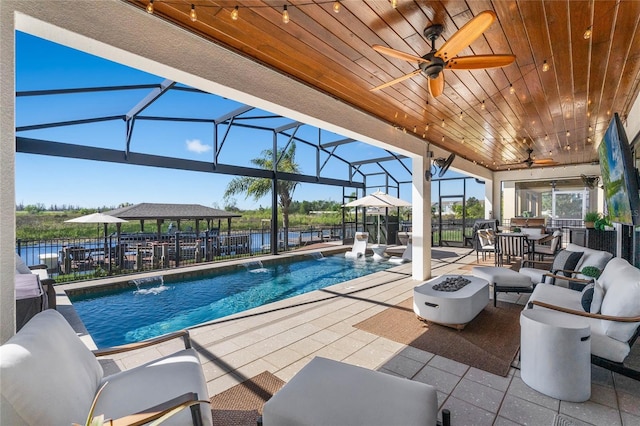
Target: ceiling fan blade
[[397, 54], [466, 35], [436, 85], [397, 80], [480, 62], [545, 161]]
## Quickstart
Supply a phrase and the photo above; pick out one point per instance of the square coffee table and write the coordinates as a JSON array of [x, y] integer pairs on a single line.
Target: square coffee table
[[451, 308]]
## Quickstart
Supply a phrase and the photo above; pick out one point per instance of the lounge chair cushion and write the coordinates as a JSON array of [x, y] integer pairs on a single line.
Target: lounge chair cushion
[[63, 374]]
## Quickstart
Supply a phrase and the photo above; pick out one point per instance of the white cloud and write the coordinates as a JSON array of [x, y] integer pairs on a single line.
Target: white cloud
[[195, 145]]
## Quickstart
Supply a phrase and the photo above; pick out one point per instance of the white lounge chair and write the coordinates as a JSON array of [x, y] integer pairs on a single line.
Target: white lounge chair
[[359, 245], [406, 255]]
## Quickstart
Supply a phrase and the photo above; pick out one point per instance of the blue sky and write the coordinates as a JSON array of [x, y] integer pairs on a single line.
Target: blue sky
[[42, 65]]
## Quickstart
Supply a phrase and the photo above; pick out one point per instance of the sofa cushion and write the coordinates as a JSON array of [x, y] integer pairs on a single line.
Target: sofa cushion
[[48, 375], [621, 298], [591, 257], [587, 297]]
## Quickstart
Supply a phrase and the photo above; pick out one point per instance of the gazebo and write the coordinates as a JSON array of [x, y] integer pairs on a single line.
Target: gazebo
[[167, 211]]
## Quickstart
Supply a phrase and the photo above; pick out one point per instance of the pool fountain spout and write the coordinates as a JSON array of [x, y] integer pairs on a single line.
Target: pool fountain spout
[[158, 279]]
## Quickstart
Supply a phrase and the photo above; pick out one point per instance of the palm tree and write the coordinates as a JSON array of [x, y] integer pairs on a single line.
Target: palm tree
[[259, 187]]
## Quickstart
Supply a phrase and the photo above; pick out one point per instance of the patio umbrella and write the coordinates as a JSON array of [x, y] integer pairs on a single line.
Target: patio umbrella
[[378, 199], [98, 218]]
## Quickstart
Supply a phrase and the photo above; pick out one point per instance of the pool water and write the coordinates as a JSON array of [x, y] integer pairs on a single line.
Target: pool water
[[152, 308]]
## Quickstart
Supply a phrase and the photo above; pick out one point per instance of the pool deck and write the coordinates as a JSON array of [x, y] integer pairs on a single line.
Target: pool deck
[[283, 336]]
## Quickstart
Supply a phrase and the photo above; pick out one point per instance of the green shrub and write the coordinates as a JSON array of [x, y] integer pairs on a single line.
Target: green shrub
[[591, 216], [591, 271]]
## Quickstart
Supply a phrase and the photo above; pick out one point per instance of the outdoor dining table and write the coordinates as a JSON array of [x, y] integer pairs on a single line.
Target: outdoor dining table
[[514, 245]]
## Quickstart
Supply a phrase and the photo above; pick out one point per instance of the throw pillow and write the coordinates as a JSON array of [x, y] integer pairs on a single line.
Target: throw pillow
[[598, 296], [566, 260], [587, 297]]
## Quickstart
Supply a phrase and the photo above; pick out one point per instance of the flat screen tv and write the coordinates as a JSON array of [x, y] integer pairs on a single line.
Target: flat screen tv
[[619, 175]]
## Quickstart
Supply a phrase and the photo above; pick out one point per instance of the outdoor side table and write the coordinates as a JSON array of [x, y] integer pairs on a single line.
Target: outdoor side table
[[555, 354]]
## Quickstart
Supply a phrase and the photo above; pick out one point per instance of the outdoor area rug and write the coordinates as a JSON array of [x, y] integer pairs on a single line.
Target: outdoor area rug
[[241, 405], [489, 342]]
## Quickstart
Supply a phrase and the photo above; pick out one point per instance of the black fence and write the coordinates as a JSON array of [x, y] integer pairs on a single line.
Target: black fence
[[73, 259]]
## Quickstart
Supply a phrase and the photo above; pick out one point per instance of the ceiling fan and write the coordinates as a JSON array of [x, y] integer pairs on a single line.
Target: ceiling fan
[[433, 63], [530, 161]]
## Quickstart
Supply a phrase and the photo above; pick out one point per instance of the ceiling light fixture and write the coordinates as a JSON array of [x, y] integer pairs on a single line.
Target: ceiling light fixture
[[414, 129], [512, 89], [546, 137], [426, 128], [285, 15], [336, 6], [192, 14], [545, 66], [443, 139], [443, 123], [394, 3], [150, 7], [482, 107], [590, 128], [568, 133], [587, 33], [461, 115], [235, 13]]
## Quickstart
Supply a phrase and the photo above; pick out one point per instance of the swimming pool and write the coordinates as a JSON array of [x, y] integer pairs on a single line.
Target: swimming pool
[[152, 308]]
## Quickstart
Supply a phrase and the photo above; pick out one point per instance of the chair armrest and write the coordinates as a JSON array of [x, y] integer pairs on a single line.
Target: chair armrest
[[562, 277], [47, 281], [143, 417], [535, 263], [545, 239], [145, 343], [41, 266], [585, 314]]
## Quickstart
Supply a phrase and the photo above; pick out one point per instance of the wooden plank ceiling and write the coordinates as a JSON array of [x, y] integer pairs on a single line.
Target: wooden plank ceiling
[[561, 114]]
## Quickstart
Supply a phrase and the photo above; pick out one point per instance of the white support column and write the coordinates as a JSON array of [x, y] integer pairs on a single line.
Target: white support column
[[7, 177], [489, 196], [421, 225]]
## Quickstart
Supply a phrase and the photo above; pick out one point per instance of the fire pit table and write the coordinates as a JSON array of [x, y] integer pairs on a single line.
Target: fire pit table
[[451, 300]]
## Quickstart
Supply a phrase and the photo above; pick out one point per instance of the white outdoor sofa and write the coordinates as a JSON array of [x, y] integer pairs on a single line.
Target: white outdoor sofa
[[613, 314], [49, 377]]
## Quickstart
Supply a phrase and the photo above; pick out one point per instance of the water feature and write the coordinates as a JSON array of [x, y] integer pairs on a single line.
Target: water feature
[[121, 316], [317, 255], [255, 266], [158, 280]]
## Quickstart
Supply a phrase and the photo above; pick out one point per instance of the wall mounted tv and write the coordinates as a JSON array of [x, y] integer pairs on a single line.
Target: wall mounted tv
[[619, 176]]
